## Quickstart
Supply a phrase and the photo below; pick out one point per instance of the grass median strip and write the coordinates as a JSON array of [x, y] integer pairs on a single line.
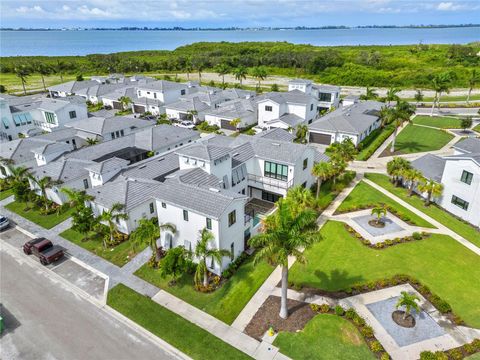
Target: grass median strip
[[34, 215], [174, 329], [5, 194], [441, 122]]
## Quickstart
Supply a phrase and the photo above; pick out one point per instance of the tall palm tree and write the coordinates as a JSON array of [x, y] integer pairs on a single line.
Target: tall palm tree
[[322, 171], [43, 184], [284, 235], [112, 216], [401, 113], [147, 231], [259, 73], [392, 95], [240, 73], [188, 68], [379, 211], [395, 168], [413, 176], [59, 68], [17, 179], [76, 197], [222, 70], [301, 134], [202, 252], [472, 82], [409, 301], [125, 101], [43, 70], [432, 188], [23, 72], [385, 116], [370, 94], [299, 199], [440, 84]]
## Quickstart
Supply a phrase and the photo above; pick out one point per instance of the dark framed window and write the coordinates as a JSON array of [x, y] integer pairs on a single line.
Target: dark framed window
[[268, 108], [267, 196], [325, 97], [122, 133], [185, 215], [209, 223], [466, 177], [85, 183], [152, 208], [232, 251], [462, 204], [112, 134], [305, 163], [164, 205], [311, 107], [155, 95], [72, 114], [276, 171], [182, 92], [232, 218]]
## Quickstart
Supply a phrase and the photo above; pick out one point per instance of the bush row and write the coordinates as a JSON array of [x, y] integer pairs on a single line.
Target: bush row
[[389, 208], [370, 144], [453, 354]]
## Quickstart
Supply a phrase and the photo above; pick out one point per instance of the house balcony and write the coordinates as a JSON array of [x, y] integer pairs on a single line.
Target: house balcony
[[266, 182]]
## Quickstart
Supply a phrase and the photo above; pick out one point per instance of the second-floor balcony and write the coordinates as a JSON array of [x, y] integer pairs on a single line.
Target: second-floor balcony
[[266, 181]]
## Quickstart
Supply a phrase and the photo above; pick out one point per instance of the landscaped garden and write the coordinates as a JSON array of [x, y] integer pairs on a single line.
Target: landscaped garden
[[5, 194], [177, 331], [441, 122], [36, 214], [477, 128], [453, 223], [324, 337], [364, 196], [329, 190], [226, 302], [373, 141], [414, 139]]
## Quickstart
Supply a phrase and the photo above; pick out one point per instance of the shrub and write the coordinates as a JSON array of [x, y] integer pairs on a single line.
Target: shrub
[[476, 344], [324, 308], [385, 356], [375, 346], [469, 348], [339, 310], [440, 304], [315, 307], [350, 313], [455, 354], [367, 331], [428, 355], [358, 320]]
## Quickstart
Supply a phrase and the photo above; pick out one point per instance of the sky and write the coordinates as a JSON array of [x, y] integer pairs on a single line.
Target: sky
[[237, 13]]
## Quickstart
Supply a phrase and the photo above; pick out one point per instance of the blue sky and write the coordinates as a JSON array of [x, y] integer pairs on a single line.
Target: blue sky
[[241, 13]]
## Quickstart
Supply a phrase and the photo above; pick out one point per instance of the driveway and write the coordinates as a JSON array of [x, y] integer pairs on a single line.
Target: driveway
[[45, 319]]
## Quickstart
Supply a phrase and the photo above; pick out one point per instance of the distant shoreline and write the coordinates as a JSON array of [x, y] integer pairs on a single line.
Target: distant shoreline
[[302, 28]]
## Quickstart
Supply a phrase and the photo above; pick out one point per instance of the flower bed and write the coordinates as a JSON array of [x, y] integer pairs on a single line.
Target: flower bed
[[389, 208], [457, 353]]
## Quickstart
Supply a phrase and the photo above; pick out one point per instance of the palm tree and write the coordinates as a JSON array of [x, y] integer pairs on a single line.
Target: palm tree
[[322, 171], [91, 141], [379, 212], [401, 113], [299, 199], [23, 72], [112, 216], [418, 97], [125, 101], [413, 176], [59, 68], [338, 167], [235, 122], [392, 95], [432, 188], [147, 231], [385, 116], [301, 134], [43, 184], [284, 235], [43, 70], [472, 81], [202, 252], [395, 168], [409, 301], [222, 70], [240, 73], [77, 197], [259, 73], [370, 94], [440, 83], [344, 150], [188, 68]]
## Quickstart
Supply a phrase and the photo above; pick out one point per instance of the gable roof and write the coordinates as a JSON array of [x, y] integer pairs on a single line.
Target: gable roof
[[108, 165], [162, 85], [431, 166], [204, 152], [277, 134], [161, 136], [20, 150], [154, 168], [102, 126], [72, 86], [52, 148], [64, 170], [468, 145]]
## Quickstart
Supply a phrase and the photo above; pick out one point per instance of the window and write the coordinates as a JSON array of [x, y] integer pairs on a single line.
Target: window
[[152, 208], [305, 163], [325, 97], [182, 92], [187, 245], [462, 204], [117, 134], [72, 114], [122, 133], [311, 107], [304, 185], [267, 196], [5, 122], [112, 135], [276, 171], [50, 117], [212, 263], [232, 218], [232, 251], [85, 183], [164, 205], [268, 108], [466, 177], [154, 95], [185, 215], [209, 224], [74, 143]]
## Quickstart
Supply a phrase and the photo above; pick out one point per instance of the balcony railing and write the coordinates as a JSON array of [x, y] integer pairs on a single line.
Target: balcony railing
[[279, 184]]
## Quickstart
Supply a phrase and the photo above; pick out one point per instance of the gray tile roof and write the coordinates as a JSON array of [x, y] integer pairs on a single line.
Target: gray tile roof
[[194, 176], [327, 88], [294, 97], [64, 170], [99, 89], [472, 156], [154, 168], [52, 148], [59, 103], [20, 150], [430, 165], [291, 120], [103, 126], [204, 152], [468, 145], [321, 157], [162, 85], [277, 134], [353, 119], [239, 108], [189, 104], [73, 86], [108, 165], [162, 136], [60, 134], [300, 81], [103, 148]]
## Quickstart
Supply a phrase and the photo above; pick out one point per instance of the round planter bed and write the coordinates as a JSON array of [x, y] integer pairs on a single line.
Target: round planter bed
[[399, 318]]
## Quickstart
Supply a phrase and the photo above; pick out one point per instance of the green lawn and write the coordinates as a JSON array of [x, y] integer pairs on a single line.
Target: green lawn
[[5, 194], [448, 268], [373, 141], [324, 337], [448, 98], [477, 128], [226, 302], [34, 81], [34, 215], [177, 331], [441, 122], [328, 191], [119, 255], [365, 195], [454, 224], [415, 139]]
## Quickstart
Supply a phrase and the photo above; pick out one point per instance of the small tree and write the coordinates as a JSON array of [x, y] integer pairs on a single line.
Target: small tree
[[322, 171], [260, 73], [83, 219], [43, 184], [23, 72], [395, 168], [432, 188], [125, 101], [148, 232], [413, 176], [235, 122], [240, 74], [379, 212], [409, 301], [112, 217], [174, 263], [274, 88], [418, 97], [299, 198], [370, 94], [466, 123], [91, 141], [392, 95], [301, 134], [203, 252]]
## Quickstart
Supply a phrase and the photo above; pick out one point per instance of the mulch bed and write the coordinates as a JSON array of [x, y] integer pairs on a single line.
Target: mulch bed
[[407, 322], [267, 315], [376, 224]]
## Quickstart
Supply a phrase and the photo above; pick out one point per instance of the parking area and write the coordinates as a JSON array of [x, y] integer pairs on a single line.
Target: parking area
[[72, 270]]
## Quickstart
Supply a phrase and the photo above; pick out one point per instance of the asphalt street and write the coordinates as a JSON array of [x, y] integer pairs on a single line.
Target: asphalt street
[[45, 319]]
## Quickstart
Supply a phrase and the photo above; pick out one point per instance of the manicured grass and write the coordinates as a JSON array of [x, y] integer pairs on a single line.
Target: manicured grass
[[441, 122], [226, 302], [415, 139], [449, 269], [328, 191], [448, 98], [477, 128], [177, 331], [119, 255], [365, 195], [461, 228], [34, 215], [324, 337], [5, 194], [373, 141], [34, 81]]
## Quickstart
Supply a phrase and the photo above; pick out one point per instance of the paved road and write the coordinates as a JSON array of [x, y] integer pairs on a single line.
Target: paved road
[[46, 320]]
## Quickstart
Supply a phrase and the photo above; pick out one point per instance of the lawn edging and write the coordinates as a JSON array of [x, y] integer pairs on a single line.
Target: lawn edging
[[34, 215], [373, 141]]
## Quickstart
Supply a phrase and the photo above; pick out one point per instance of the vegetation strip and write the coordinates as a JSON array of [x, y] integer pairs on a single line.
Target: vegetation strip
[[180, 333], [35, 214]]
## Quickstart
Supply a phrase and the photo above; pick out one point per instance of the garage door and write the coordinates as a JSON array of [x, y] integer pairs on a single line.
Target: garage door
[[317, 138], [117, 105], [225, 124], [139, 109]]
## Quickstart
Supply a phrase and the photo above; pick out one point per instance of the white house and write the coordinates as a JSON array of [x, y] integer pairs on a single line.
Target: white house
[[355, 122], [327, 96], [460, 176], [70, 88], [243, 109]]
